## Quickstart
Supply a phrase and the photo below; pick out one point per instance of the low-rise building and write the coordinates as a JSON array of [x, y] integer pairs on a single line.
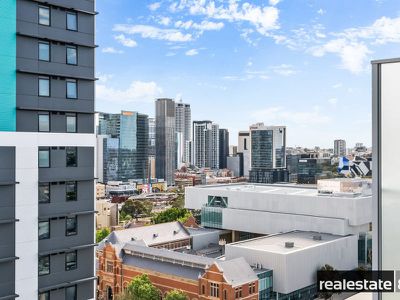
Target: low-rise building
[[100, 191], [107, 215]]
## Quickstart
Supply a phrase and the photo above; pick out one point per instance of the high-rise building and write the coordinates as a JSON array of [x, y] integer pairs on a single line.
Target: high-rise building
[[125, 149], [165, 140], [223, 148], [268, 154], [152, 137], [47, 144], [244, 147], [386, 166], [205, 144], [339, 148], [183, 119]]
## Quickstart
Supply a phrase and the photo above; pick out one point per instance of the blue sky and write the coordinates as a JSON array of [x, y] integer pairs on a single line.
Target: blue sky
[[304, 64]]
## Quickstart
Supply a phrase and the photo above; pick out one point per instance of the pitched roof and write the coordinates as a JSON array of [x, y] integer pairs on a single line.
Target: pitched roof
[[236, 271]]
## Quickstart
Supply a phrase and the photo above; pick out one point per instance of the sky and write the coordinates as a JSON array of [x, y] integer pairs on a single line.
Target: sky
[[304, 64]]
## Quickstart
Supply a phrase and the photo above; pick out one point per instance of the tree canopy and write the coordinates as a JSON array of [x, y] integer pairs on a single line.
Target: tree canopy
[[176, 295], [141, 288], [172, 214], [101, 234], [136, 208]]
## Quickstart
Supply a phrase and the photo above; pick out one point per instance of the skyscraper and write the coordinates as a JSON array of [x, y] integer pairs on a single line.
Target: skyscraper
[[205, 144], [243, 149], [125, 150], [183, 117], [47, 146], [268, 154], [223, 148], [165, 139], [339, 148]]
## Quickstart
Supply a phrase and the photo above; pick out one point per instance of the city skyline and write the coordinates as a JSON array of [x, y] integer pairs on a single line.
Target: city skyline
[[240, 61]]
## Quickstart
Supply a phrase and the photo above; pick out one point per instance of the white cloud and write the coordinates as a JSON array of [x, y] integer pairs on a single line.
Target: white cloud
[[125, 41], [151, 32], [321, 11], [111, 50], [154, 6], [274, 2], [284, 70], [337, 85], [203, 26], [137, 91], [164, 21], [103, 78], [192, 52], [263, 18], [333, 101], [281, 115], [170, 54]]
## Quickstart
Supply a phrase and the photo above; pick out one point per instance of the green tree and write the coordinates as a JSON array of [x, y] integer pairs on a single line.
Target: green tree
[[326, 295], [172, 214], [101, 234], [179, 202], [176, 295], [141, 288], [135, 208]]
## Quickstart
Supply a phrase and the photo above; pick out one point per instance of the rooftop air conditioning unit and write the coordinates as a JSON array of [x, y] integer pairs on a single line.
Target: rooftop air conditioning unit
[[289, 244]]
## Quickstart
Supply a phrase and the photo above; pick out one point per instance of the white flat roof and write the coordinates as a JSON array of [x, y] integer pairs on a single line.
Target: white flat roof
[[277, 189], [276, 243]]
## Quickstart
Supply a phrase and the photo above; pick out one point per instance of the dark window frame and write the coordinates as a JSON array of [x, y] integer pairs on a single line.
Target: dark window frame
[[46, 294], [76, 226], [66, 55], [76, 122], [45, 7], [48, 150], [49, 271], [75, 290], [70, 80], [44, 43], [47, 184], [44, 114], [75, 190], [76, 20], [49, 80], [49, 233], [76, 157], [73, 266]]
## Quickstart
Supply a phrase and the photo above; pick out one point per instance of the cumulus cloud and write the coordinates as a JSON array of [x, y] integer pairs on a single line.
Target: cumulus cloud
[[203, 26], [151, 32], [111, 50], [192, 52], [125, 41], [281, 115], [154, 6], [164, 21], [137, 91]]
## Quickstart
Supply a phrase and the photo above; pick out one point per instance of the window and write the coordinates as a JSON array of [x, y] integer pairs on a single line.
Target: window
[[44, 230], [44, 15], [72, 89], [44, 158], [70, 261], [44, 192], [44, 86], [44, 265], [72, 21], [70, 293], [203, 290], [252, 288], [214, 289], [44, 51], [72, 156], [71, 123], [109, 267], [238, 293], [71, 224], [225, 295], [44, 296], [72, 55], [44, 122], [71, 190]]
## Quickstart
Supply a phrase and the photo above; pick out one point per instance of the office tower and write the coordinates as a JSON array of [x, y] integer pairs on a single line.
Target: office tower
[[165, 140], [339, 148], [244, 146], [125, 149], [47, 146], [205, 144], [152, 137], [223, 148], [268, 154], [183, 118], [386, 165], [233, 150]]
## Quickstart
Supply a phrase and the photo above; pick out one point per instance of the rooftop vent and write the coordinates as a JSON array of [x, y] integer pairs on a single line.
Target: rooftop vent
[[155, 235], [176, 232], [317, 237], [132, 239], [289, 244]]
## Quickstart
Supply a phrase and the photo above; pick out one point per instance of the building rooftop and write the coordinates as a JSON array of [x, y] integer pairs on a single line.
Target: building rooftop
[[275, 189], [277, 243]]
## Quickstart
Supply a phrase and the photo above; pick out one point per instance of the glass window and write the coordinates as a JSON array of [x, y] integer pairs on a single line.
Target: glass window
[[44, 15], [71, 224], [110, 267], [44, 192], [44, 265], [44, 230], [72, 21], [44, 158], [44, 51], [44, 122], [72, 89], [214, 289], [44, 86], [72, 55], [70, 293], [71, 190], [72, 156], [70, 261], [71, 123], [44, 296]]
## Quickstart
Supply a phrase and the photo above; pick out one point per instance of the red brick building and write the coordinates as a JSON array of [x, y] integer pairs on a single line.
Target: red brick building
[[199, 277]]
